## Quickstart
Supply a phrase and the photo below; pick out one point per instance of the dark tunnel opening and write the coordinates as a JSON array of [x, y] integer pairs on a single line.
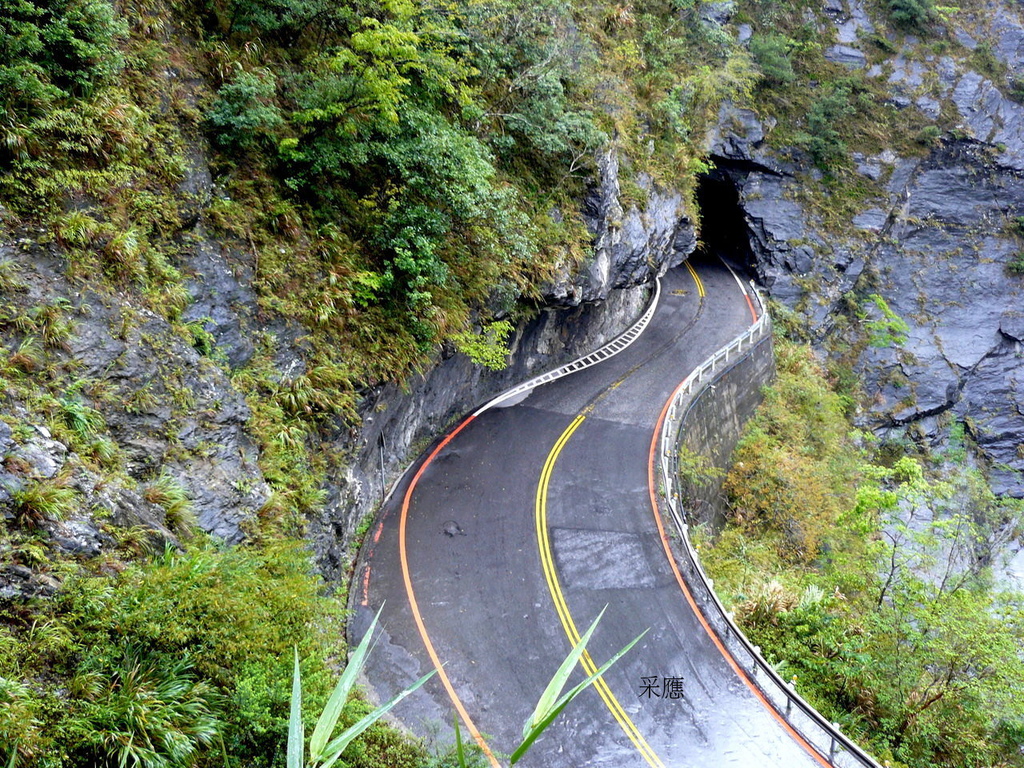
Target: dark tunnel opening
[[724, 231]]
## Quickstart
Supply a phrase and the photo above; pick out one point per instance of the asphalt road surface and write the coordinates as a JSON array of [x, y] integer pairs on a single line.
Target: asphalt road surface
[[527, 521]]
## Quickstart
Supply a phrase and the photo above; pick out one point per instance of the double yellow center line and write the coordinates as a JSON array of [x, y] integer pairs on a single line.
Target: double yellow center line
[[696, 278], [551, 576]]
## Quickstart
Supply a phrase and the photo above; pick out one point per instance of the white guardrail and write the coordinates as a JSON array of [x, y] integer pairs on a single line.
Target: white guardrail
[[520, 392], [816, 730]]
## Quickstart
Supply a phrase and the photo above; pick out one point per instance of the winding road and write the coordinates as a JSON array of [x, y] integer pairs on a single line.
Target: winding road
[[512, 533]]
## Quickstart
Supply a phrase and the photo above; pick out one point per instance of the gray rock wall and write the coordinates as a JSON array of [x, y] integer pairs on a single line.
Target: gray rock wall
[[172, 410], [936, 246]]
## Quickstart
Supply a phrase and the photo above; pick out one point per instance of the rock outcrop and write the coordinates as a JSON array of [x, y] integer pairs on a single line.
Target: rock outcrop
[[939, 245], [164, 396], [632, 245]]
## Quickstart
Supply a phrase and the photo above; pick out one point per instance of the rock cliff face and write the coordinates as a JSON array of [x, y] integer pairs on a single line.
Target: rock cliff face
[[169, 410], [173, 412], [632, 247], [938, 245]]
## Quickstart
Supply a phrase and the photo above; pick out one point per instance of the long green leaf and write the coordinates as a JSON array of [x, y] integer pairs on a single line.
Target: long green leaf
[[296, 738], [532, 734], [554, 688], [538, 729], [329, 718], [333, 750], [460, 752]]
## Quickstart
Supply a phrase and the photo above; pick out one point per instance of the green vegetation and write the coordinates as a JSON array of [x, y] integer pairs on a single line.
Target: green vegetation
[[395, 174], [864, 580], [771, 52], [488, 347], [178, 661], [912, 15], [886, 328], [325, 748], [166, 492], [830, 111]]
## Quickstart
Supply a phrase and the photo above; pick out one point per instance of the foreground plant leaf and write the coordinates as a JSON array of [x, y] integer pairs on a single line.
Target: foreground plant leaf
[[322, 752], [548, 708]]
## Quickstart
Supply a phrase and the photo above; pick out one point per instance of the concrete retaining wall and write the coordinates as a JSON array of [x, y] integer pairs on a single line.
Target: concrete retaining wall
[[714, 421]]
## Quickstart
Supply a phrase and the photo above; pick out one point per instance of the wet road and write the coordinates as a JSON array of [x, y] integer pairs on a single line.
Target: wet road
[[526, 522]]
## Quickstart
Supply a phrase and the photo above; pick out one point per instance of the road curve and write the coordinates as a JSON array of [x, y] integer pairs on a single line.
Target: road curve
[[514, 531]]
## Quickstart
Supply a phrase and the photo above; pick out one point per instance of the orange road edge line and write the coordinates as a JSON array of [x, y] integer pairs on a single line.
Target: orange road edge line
[[753, 312], [365, 601], [693, 603], [417, 617]]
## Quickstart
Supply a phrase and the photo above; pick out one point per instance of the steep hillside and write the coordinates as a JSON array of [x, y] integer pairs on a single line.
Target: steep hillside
[[892, 191]]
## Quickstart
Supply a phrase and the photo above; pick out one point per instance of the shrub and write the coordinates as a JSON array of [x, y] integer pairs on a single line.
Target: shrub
[[244, 113], [1015, 89], [912, 15], [824, 118], [55, 48], [929, 136], [489, 348], [144, 712], [164, 659], [771, 52], [884, 327], [83, 421]]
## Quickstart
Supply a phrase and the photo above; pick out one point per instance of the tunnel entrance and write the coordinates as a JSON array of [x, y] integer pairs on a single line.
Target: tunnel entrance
[[724, 230]]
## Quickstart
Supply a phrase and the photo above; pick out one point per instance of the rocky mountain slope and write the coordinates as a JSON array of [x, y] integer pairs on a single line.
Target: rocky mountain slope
[[937, 234]]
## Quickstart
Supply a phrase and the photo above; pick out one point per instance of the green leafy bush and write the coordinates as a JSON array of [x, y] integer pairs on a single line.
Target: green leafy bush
[[771, 52], [245, 113], [166, 492], [167, 660], [912, 15], [51, 49], [929, 136], [884, 327], [488, 348], [39, 500], [144, 712], [823, 138]]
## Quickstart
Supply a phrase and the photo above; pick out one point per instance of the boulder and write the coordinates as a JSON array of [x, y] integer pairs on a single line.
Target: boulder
[[847, 55]]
